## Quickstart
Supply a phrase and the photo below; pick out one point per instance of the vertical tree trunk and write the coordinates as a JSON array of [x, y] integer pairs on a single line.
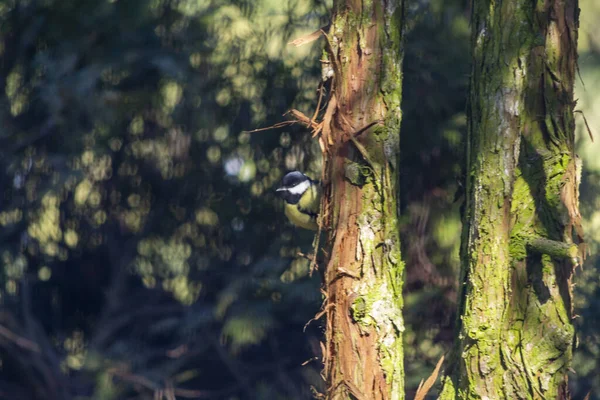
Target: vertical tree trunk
[[515, 336], [360, 138]]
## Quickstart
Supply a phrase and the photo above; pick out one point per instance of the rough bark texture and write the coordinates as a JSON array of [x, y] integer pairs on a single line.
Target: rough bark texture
[[515, 335], [363, 354]]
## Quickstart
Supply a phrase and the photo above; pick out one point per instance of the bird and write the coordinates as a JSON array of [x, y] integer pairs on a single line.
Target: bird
[[302, 197]]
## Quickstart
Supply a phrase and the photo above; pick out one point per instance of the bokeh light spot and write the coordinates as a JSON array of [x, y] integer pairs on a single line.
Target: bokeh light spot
[[207, 217], [221, 133], [247, 171], [233, 165], [44, 273], [213, 154], [71, 238], [172, 93]]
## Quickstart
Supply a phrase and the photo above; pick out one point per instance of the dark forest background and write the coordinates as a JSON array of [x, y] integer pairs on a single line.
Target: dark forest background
[[144, 253]]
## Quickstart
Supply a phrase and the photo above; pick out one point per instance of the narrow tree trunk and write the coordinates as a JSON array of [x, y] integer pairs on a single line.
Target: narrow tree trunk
[[363, 281], [515, 336]]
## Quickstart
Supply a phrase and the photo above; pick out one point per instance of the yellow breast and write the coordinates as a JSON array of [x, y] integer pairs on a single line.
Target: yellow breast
[[300, 219]]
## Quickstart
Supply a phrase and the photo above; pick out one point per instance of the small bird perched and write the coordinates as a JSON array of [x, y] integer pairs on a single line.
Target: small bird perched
[[302, 198]]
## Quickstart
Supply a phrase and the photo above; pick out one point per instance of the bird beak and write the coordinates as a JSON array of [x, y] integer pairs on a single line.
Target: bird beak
[[280, 189]]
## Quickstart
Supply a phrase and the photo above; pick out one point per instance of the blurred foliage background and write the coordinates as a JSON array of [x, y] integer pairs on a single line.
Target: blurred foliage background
[[144, 253]]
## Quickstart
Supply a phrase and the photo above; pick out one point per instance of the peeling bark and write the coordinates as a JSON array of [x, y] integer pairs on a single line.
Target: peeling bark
[[363, 354], [515, 335]]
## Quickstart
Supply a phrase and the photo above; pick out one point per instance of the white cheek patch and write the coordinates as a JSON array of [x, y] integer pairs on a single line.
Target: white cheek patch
[[299, 188]]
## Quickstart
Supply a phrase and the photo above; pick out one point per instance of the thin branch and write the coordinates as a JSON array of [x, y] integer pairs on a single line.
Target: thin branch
[[19, 340], [589, 130], [311, 37]]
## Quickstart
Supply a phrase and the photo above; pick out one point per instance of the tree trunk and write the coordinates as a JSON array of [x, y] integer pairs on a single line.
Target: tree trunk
[[515, 335], [363, 354]]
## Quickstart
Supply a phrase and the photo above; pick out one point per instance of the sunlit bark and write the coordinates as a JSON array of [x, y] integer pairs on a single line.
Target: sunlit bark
[[363, 280], [515, 334]]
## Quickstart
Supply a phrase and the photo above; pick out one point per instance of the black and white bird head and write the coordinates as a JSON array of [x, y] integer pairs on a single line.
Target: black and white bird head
[[293, 186]]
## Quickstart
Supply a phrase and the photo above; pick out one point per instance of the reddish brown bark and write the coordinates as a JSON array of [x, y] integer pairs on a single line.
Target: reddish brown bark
[[363, 279]]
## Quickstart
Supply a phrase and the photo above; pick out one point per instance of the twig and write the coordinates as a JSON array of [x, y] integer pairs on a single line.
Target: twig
[[589, 130], [366, 127], [311, 37], [314, 117], [424, 387], [318, 315], [309, 257], [309, 361], [276, 126], [19, 340]]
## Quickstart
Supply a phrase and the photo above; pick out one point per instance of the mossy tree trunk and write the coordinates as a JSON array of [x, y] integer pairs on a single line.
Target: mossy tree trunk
[[515, 335], [363, 354]]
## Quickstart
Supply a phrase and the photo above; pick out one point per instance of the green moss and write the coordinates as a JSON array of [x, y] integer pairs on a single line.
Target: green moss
[[396, 28], [339, 25], [517, 248], [355, 173], [358, 310], [448, 390]]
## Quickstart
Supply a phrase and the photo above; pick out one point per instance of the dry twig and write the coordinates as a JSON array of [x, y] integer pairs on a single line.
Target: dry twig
[[424, 387], [19, 340], [311, 37], [589, 130]]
